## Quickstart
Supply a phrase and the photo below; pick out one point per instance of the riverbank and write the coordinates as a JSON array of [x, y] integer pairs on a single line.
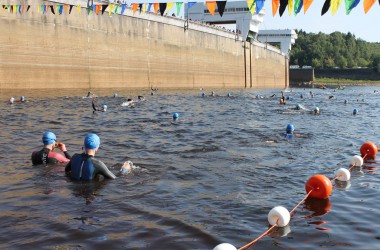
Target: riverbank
[[333, 83]]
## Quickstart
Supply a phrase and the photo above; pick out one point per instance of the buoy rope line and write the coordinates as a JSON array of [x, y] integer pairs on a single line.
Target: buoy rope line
[[318, 186]]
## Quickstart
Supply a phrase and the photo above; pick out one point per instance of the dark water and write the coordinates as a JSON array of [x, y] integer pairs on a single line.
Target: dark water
[[209, 178]]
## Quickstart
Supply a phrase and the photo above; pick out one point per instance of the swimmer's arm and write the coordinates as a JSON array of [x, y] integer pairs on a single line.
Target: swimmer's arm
[[102, 169], [58, 157]]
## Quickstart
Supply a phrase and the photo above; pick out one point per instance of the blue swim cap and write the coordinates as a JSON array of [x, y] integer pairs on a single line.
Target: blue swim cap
[[22, 98], [289, 128], [355, 111], [104, 106], [92, 141], [175, 116], [203, 94], [48, 138]]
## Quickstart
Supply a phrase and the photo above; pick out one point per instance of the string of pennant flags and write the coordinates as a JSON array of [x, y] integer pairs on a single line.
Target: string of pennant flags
[[254, 6]]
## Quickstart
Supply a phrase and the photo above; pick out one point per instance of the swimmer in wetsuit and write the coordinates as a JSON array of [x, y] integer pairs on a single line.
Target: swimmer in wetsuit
[[84, 166], [103, 109], [289, 132], [46, 155]]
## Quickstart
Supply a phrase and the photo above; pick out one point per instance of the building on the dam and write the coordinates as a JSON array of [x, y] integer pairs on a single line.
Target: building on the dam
[[60, 44]]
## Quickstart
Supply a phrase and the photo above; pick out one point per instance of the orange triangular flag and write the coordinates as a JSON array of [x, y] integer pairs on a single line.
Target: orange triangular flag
[[97, 9], [135, 6], [66, 7], [211, 7], [306, 5], [368, 5], [156, 5], [275, 5]]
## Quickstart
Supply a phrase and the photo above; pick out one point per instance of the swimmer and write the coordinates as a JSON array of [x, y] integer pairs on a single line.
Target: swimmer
[[298, 107], [103, 109], [316, 111], [331, 97], [84, 166], [115, 95], [141, 98], [11, 100], [213, 93], [345, 101], [282, 99], [151, 93], [175, 116], [272, 96], [203, 94], [128, 103], [46, 154], [126, 168], [355, 111], [229, 95], [22, 99], [289, 132], [90, 94]]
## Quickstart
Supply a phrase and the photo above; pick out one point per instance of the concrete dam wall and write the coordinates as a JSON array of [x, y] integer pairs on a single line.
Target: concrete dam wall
[[77, 50]]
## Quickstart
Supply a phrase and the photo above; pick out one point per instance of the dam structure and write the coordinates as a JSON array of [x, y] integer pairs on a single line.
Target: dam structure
[[65, 46]]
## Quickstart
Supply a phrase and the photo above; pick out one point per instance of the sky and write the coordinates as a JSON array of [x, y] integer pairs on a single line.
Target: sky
[[364, 26]]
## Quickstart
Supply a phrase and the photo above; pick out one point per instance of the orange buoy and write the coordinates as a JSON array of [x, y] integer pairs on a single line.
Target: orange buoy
[[320, 185], [368, 149]]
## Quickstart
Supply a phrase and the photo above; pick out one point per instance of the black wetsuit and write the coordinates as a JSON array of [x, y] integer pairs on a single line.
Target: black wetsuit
[[46, 156], [86, 167]]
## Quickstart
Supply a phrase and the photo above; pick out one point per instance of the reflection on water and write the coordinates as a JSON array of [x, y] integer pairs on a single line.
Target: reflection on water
[[210, 177]]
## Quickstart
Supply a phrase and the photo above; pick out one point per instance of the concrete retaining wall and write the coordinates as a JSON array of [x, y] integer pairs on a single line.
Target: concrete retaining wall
[[132, 51]]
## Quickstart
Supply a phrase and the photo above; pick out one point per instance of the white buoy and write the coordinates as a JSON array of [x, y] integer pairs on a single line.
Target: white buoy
[[357, 160], [343, 174], [279, 216], [225, 246]]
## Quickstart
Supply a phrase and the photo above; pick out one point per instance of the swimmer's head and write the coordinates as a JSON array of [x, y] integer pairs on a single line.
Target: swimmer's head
[[316, 110], [11, 100], [91, 141], [115, 94], [355, 111], [104, 107], [22, 98], [298, 106], [175, 116], [48, 138], [203, 94], [229, 94], [129, 100], [290, 128]]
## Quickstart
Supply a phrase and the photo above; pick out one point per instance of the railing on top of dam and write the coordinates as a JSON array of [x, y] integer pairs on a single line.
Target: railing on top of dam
[[171, 20]]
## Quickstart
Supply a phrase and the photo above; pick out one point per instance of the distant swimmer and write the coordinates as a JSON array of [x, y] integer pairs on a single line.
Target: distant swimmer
[[213, 93], [102, 109], [331, 97], [316, 111], [141, 98], [47, 155], [282, 99], [274, 95], [128, 103], [115, 95], [84, 166], [22, 99], [11, 100], [290, 132]]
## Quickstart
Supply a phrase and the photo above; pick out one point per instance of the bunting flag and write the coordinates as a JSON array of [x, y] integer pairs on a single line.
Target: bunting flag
[[27, 9], [211, 7], [140, 7], [259, 5], [326, 7], [190, 4], [123, 6], [169, 6], [335, 6], [60, 9], [275, 5], [20, 9], [97, 9], [155, 7], [162, 8], [66, 8], [368, 5], [297, 6], [283, 4], [149, 6], [290, 7], [116, 9], [144, 7], [179, 5], [306, 5], [350, 4], [222, 6], [71, 7], [135, 6], [251, 6], [111, 6], [104, 7], [79, 9], [94, 7]]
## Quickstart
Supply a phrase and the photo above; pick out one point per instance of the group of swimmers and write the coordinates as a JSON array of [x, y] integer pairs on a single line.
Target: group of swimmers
[[12, 99], [82, 166]]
